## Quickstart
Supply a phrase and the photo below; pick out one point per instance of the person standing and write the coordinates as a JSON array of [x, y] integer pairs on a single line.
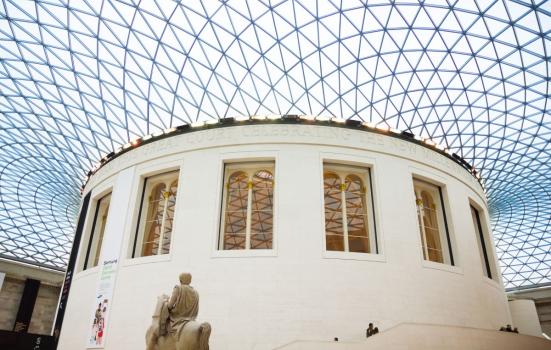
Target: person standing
[[369, 331]]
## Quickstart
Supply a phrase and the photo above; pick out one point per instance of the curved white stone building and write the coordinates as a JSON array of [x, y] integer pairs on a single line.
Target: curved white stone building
[[292, 229]]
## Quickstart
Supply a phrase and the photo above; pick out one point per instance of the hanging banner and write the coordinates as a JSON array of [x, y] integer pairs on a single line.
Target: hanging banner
[[109, 259], [26, 306], [70, 268], [104, 296]]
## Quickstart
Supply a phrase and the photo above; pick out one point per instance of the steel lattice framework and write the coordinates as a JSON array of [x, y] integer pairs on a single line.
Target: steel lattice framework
[[80, 78]]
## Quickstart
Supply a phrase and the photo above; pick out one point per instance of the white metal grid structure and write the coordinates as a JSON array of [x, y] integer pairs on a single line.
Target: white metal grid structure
[[80, 78]]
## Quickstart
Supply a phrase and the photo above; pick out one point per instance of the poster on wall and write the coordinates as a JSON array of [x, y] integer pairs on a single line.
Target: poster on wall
[[102, 304]]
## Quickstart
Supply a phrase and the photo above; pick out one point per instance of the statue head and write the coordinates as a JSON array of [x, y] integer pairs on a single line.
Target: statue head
[[185, 278]]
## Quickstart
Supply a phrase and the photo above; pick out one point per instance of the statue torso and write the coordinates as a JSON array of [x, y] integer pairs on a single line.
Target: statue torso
[[183, 306]]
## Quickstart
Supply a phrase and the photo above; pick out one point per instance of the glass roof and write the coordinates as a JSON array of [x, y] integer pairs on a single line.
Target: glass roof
[[80, 78]]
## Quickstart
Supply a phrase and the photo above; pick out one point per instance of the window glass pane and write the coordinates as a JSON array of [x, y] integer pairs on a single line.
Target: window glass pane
[[157, 214], [419, 206], [169, 218], [102, 218], [432, 232], [235, 220], [248, 212], [481, 242], [356, 215], [431, 226], [154, 220], [334, 230], [98, 229], [261, 212]]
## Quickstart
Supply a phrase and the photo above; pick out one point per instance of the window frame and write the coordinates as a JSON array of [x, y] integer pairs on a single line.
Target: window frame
[[444, 230], [250, 167], [94, 243], [486, 252], [137, 235], [365, 173], [101, 190]]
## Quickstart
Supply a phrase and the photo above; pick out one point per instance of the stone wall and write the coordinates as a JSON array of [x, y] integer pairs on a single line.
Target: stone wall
[[542, 298], [10, 295], [525, 316], [44, 308], [544, 312]]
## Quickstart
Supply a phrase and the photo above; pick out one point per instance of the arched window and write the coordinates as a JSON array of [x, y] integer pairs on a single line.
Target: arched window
[[348, 218], [432, 223], [248, 211], [95, 241], [154, 230]]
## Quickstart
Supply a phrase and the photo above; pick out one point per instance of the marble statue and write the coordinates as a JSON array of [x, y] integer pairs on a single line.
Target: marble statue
[[173, 324]]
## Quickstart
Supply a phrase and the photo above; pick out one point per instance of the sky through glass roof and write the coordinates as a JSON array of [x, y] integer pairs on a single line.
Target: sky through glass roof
[[80, 78]]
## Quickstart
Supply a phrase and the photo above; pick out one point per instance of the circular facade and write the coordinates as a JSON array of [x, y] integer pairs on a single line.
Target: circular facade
[[290, 232]]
